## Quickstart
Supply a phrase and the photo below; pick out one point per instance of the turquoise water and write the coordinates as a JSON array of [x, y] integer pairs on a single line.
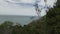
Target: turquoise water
[[23, 20]]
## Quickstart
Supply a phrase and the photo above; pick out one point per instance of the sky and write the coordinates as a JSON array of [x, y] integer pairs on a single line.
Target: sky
[[24, 7]]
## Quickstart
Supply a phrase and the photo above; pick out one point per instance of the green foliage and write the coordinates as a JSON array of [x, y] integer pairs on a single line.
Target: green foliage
[[58, 3], [6, 23], [5, 27]]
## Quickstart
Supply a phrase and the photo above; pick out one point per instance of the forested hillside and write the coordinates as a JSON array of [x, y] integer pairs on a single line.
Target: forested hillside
[[49, 24]]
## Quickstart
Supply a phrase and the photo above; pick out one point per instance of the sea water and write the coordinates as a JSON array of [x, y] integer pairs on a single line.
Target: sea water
[[23, 20]]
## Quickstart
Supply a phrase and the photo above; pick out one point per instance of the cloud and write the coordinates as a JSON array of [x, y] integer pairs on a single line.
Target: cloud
[[23, 7], [28, 1], [22, 1], [51, 3]]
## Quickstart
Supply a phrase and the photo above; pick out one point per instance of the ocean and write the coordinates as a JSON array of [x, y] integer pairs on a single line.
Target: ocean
[[16, 19]]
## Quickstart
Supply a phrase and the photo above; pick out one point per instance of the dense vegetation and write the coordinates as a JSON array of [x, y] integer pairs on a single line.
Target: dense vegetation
[[49, 24]]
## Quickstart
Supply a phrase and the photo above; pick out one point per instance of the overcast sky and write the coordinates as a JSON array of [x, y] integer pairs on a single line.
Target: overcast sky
[[23, 7]]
